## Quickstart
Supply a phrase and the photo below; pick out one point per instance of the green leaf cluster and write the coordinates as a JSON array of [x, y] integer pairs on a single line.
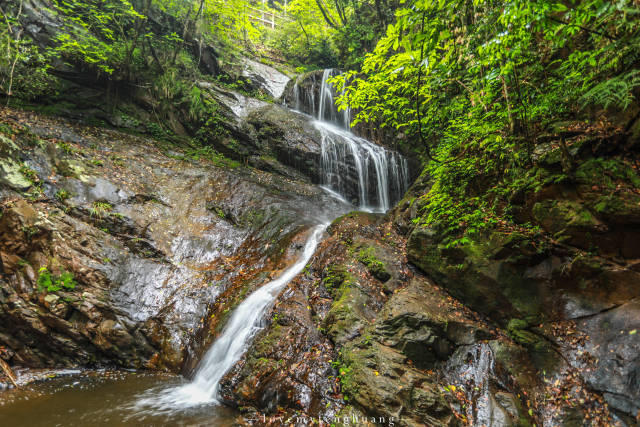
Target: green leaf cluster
[[50, 283], [471, 84]]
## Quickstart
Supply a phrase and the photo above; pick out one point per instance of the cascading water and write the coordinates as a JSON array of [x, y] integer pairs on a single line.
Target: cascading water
[[246, 321], [362, 172], [353, 170]]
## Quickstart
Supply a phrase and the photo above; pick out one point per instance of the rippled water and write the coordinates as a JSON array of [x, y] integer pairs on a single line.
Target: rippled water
[[102, 398]]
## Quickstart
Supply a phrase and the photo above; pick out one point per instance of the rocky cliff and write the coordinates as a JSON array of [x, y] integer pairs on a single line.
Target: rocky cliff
[[150, 237]]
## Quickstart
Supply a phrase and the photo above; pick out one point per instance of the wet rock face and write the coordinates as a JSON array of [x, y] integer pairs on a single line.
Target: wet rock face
[[289, 137], [571, 301], [341, 342], [610, 339], [267, 136], [545, 301], [307, 95], [264, 77], [149, 237]]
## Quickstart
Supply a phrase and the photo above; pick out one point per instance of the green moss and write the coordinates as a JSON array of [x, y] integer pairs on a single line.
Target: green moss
[[517, 324], [607, 172], [377, 268], [345, 370], [342, 316], [13, 175], [517, 331], [335, 276], [557, 215], [208, 153]]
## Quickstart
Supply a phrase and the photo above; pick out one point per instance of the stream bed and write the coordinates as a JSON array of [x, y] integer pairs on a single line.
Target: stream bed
[[101, 398]]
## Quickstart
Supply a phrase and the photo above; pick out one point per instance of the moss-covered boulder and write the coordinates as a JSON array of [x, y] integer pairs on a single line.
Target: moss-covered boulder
[[12, 176], [485, 273], [376, 267]]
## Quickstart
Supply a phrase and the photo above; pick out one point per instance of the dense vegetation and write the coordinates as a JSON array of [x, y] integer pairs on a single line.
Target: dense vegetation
[[120, 47], [472, 86], [476, 84]]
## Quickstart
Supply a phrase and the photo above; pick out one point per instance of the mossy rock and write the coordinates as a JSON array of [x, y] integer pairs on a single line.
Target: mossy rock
[[523, 337], [481, 275], [607, 173], [347, 314], [517, 324], [375, 266], [515, 360], [620, 208], [7, 146], [11, 175], [558, 216], [334, 276], [377, 379]]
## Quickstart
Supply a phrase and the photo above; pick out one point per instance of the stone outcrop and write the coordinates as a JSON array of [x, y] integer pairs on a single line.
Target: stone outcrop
[[376, 347], [149, 235], [569, 299]]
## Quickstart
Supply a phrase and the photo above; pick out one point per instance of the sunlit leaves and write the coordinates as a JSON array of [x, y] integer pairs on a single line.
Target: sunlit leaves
[[492, 74]]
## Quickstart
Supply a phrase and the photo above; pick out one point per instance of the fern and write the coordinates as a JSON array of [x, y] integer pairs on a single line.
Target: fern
[[616, 91]]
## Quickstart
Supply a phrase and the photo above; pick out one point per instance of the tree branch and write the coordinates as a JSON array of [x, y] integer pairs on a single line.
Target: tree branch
[[326, 16], [589, 30]]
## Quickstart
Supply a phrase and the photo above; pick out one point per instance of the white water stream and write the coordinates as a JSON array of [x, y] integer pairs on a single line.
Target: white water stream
[[381, 176], [372, 176], [246, 321]]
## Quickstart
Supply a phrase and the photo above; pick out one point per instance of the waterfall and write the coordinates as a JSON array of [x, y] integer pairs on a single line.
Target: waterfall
[[346, 114], [246, 321], [296, 95], [354, 170], [370, 176]]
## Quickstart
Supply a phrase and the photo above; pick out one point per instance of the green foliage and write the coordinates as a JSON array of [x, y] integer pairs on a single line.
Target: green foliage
[[100, 209], [96, 34], [50, 283], [607, 173], [330, 34], [210, 154], [30, 174], [155, 130], [616, 91], [23, 67], [66, 147], [306, 39], [336, 276], [345, 375], [472, 83], [62, 195]]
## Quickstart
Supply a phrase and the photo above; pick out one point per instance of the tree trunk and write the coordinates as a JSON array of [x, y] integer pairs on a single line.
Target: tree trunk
[[505, 94]]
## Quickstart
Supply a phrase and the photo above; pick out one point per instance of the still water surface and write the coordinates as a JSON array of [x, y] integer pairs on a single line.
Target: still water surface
[[102, 398]]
